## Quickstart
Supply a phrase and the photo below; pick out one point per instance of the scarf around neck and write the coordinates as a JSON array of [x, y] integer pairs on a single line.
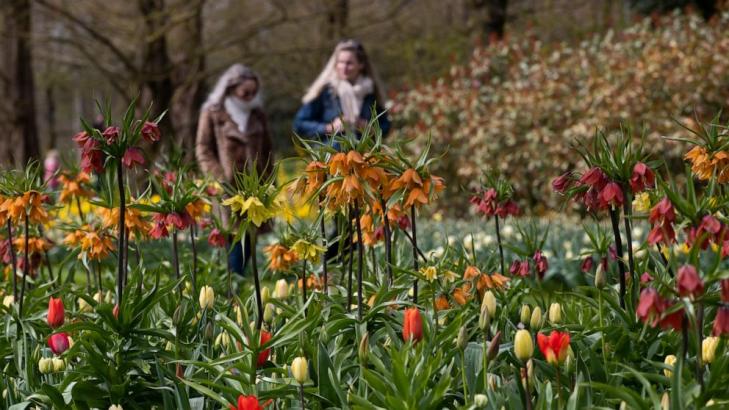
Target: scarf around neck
[[240, 110], [351, 96]]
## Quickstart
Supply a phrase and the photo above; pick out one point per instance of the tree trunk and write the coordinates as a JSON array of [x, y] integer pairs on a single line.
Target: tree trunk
[[22, 140], [156, 72], [189, 82], [337, 14], [486, 19]]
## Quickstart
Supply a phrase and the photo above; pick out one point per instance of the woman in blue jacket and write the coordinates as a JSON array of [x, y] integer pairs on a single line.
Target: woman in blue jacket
[[343, 95]]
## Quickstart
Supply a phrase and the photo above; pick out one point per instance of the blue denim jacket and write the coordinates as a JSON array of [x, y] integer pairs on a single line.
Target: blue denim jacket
[[311, 119]]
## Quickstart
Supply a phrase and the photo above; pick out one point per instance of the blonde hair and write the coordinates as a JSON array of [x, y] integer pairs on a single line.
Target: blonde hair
[[328, 75]]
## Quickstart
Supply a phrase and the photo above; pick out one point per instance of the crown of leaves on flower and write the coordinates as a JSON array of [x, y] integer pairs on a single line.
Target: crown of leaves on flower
[[23, 192], [709, 156]]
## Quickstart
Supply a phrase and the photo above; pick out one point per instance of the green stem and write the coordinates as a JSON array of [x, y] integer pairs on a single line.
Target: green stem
[[360, 263], [602, 331], [415, 252], [498, 240], [463, 376], [13, 260], [256, 281], [26, 268]]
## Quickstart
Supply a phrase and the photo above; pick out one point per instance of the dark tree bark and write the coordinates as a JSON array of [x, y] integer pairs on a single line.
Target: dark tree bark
[[486, 19], [156, 70], [337, 14], [22, 136]]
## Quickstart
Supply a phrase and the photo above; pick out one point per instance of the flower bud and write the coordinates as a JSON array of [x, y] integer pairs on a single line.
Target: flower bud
[[708, 349], [265, 295], [670, 360], [462, 340], [238, 315], [480, 400], [282, 289], [268, 313], [555, 313], [300, 369], [525, 314], [536, 320], [665, 401], [207, 297], [99, 297], [58, 364], [523, 345], [600, 278], [484, 320], [115, 407], [45, 365], [569, 361], [83, 306], [209, 331], [364, 348], [222, 339], [169, 346], [8, 300], [489, 302], [177, 316], [187, 291], [493, 349]]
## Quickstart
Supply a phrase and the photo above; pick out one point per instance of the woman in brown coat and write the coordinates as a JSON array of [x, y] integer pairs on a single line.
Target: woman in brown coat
[[233, 134]]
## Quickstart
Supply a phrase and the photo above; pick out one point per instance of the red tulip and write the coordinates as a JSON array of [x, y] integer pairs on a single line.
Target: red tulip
[[216, 239], [55, 312], [132, 156], [263, 355], [58, 342], [650, 306], [247, 403], [721, 323], [111, 134], [562, 182], [151, 132], [642, 178], [611, 195], [412, 326], [688, 281], [115, 311], [554, 347]]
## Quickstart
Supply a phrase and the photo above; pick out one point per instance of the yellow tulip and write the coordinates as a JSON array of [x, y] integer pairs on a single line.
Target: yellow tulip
[[708, 349], [300, 369], [670, 360], [555, 313], [523, 345], [489, 303], [525, 314], [207, 297]]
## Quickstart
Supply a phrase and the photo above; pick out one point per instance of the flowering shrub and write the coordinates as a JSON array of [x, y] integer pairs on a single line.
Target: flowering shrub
[[517, 107]]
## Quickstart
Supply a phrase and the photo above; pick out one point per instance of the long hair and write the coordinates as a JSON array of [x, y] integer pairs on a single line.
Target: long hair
[[329, 75], [233, 76]]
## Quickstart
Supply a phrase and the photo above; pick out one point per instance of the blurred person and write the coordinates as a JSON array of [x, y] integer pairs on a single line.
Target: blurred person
[[342, 96], [232, 135]]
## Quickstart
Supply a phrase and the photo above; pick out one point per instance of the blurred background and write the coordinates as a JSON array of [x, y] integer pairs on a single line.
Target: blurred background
[[503, 84]]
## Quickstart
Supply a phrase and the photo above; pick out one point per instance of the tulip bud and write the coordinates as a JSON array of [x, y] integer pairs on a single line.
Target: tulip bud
[[207, 297], [523, 345], [265, 295], [281, 290], [187, 291], [300, 369], [83, 306], [665, 401], [177, 316], [493, 349], [489, 302], [238, 315], [484, 320], [480, 400], [222, 339], [45, 365], [462, 340], [169, 346], [364, 348], [569, 361], [115, 407], [555, 313], [708, 349], [268, 313], [670, 360], [8, 300], [109, 297], [600, 278], [525, 314], [536, 320], [59, 343], [99, 297], [58, 364], [623, 405], [209, 331]]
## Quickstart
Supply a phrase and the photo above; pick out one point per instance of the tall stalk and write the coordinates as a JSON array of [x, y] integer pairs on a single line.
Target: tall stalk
[[194, 259], [415, 252], [360, 249], [498, 240], [256, 281], [700, 338], [26, 266], [175, 259], [13, 260], [350, 235], [303, 286], [388, 241], [80, 211], [121, 268], [324, 268], [614, 218], [627, 215]]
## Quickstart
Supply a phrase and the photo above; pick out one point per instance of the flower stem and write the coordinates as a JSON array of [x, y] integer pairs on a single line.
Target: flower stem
[[13, 260], [175, 260], [627, 214], [559, 390], [301, 396], [619, 250], [26, 267], [700, 336], [193, 278], [485, 357], [463, 375], [121, 268], [415, 252], [80, 212], [527, 396], [388, 240], [360, 266], [350, 231], [259, 303], [664, 259], [324, 243], [498, 240], [602, 331], [303, 286]]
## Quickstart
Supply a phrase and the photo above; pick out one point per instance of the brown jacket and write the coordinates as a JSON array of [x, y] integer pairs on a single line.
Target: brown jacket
[[222, 150]]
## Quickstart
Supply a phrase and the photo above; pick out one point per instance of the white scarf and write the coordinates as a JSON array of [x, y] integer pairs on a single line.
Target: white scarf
[[351, 96], [240, 110]]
